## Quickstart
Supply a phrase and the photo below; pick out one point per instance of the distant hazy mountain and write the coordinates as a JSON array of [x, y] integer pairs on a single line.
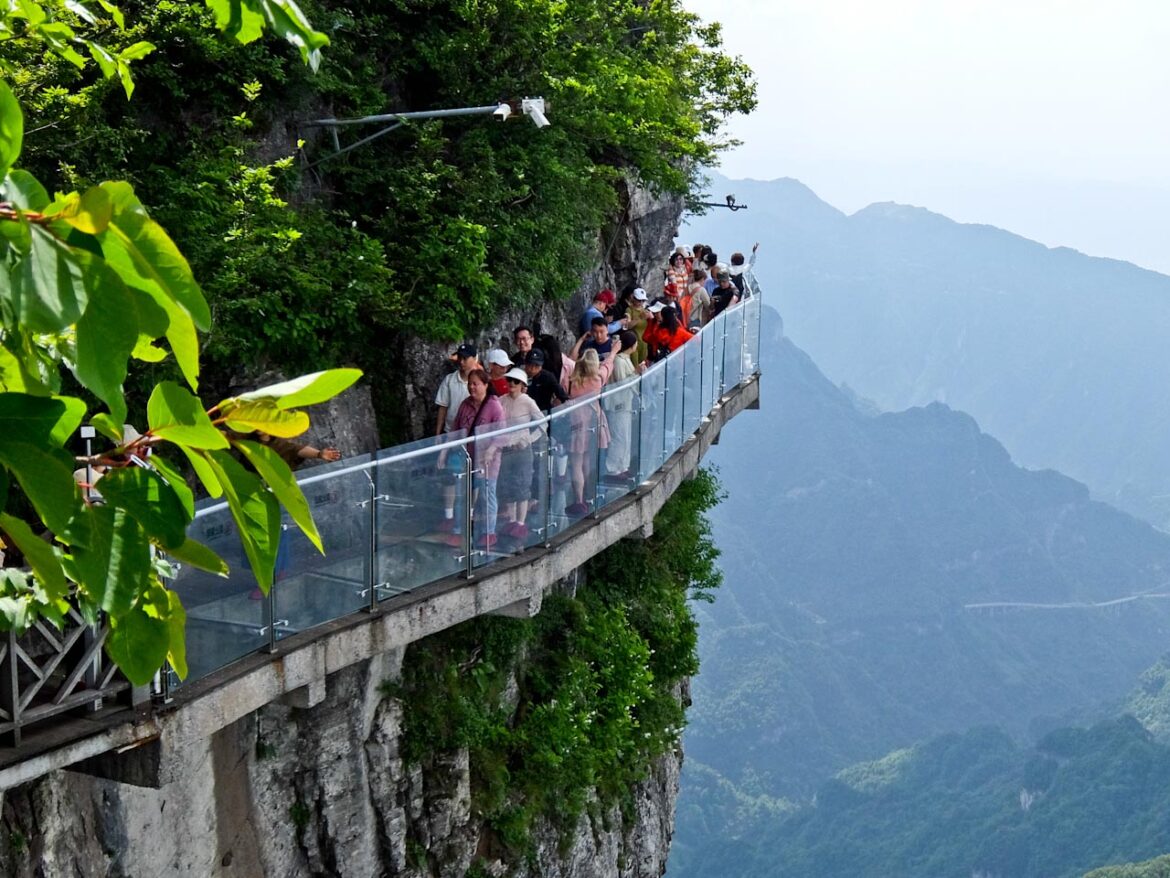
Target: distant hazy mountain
[[891, 577], [1062, 357]]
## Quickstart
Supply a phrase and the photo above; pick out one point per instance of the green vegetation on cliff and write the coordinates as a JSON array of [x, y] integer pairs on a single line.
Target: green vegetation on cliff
[[431, 230], [570, 707]]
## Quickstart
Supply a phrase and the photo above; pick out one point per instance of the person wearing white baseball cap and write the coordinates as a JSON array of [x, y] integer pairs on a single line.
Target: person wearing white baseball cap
[[514, 488], [637, 318], [498, 363]]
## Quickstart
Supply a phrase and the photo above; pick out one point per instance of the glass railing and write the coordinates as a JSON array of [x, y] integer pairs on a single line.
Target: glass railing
[[414, 514]]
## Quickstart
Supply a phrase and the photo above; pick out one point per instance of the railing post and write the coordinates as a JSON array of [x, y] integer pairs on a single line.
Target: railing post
[[597, 483], [723, 355], [373, 580], [270, 607], [468, 516], [742, 344], [93, 670], [10, 686], [550, 471]]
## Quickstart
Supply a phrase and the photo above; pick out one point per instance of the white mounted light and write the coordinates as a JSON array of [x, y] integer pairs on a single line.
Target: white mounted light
[[502, 112], [533, 108]]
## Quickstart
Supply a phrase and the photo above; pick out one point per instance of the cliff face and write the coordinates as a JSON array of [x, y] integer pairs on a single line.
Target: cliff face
[[319, 791], [325, 790]]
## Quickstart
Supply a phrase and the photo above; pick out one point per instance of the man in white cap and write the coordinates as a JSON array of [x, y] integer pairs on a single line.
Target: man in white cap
[[637, 318]]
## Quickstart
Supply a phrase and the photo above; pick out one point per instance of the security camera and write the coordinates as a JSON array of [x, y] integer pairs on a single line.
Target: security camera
[[502, 112], [534, 109]]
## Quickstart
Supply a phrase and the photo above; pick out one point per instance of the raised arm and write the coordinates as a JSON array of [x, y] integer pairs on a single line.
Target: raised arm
[[575, 353]]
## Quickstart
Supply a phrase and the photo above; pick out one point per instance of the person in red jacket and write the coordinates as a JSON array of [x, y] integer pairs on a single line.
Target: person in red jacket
[[666, 334]]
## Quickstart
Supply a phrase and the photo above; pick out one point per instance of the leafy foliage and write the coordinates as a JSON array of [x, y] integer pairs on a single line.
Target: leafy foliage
[[577, 702], [89, 281], [434, 229]]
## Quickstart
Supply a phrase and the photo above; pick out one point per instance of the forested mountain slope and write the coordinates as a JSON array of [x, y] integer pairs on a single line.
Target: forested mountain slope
[[1058, 355], [853, 619]]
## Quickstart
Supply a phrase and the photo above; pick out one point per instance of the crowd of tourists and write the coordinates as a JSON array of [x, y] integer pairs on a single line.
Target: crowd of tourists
[[618, 338]]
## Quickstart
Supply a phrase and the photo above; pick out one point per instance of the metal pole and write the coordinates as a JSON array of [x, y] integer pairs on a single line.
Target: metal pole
[[391, 117], [742, 343], [373, 578], [550, 469], [597, 484], [468, 516], [270, 609], [352, 146]]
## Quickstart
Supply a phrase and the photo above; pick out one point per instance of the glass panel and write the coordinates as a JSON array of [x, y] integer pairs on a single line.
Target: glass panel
[[719, 330], [574, 431], [708, 339], [733, 348], [651, 423], [505, 484], [619, 471], [692, 385], [673, 404], [226, 618], [312, 588], [531, 503], [420, 513], [752, 346]]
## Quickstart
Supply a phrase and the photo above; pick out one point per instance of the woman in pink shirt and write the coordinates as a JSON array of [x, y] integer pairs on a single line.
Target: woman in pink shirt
[[480, 413]]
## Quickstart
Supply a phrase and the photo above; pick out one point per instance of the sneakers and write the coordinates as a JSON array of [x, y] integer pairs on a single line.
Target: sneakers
[[455, 541], [576, 509], [517, 530], [446, 526], [487, 541]]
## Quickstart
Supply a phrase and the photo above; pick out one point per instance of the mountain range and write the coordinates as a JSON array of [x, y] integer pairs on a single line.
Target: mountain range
[[1060, 356], [890, 578]]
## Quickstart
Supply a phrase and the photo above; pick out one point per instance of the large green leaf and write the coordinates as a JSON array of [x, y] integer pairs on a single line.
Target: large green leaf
[[177, 415], [150, 500], [267, 417], [178, 484], [238, 18], [255, 511], [280, 479], [25, 191], [307, 389], [164, 605], [137, 248], [89, 213], [155, 258], [40, 419], [138, 643], [11, 129], [41, 557], [198, 555], [288, 22], [44, 290], [46, 477], [203, 469], [106, 334], [115, 568], [108, 427]]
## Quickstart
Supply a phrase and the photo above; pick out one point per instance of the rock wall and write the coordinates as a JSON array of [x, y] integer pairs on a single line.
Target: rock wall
[[321, 791]]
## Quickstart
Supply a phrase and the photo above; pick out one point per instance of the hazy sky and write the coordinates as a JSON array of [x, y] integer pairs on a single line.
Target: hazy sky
[[1051, 119]]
